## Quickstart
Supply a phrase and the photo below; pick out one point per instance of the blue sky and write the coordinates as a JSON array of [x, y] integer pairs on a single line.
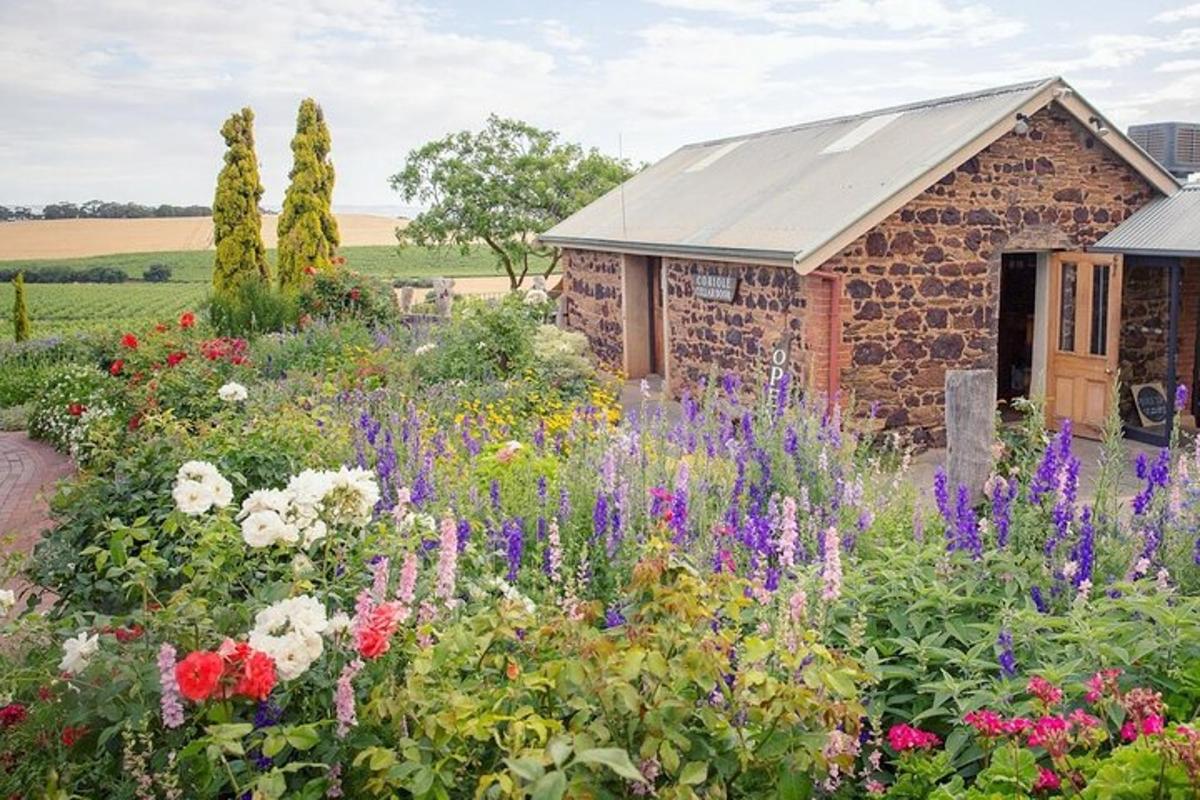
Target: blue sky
[[123, 100]]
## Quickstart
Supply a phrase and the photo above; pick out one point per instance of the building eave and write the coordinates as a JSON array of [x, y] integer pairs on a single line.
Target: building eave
[[770, 258]]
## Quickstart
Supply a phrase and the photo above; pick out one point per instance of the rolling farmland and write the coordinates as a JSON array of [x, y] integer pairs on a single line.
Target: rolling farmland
[[56, 309]]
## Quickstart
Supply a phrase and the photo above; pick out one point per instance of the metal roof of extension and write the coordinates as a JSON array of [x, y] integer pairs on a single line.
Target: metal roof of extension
[[795, 196], [1166, 226]]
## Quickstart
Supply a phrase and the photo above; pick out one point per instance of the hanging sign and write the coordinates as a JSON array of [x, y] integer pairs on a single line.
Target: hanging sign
[[715, 287]]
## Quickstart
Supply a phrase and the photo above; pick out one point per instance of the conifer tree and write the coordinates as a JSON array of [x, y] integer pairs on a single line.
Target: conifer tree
[[237, 222], [308, 232], [20, 313]]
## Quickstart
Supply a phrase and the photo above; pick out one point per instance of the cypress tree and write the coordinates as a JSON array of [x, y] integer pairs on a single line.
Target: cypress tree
[[20, 313], [308, 232], [237, 222]]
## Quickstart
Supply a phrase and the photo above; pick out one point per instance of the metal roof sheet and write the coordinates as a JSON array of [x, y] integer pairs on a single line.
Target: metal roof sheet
[[1166, 226], [778, 194]]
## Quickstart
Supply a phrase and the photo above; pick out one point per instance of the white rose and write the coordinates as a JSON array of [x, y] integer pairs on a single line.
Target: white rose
[[222, 491], [78, 651], [264, 528], [8, 599], [339, 623], [193, 497], [232, 392], [425, 348], [275, 500]]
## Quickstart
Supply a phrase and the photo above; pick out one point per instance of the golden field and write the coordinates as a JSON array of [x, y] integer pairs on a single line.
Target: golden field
[[80, 238]]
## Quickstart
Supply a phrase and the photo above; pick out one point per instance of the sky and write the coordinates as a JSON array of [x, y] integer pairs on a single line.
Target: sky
[[123, 99]]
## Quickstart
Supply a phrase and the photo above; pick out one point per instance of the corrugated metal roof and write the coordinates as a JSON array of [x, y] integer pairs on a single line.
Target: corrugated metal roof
[[778, 194], [1166, 226]]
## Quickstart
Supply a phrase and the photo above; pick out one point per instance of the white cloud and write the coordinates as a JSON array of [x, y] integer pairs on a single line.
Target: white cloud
[[1178, 14]]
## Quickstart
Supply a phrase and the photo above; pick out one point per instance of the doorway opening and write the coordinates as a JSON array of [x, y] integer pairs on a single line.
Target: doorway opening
[[1015, 339], [644, 317]]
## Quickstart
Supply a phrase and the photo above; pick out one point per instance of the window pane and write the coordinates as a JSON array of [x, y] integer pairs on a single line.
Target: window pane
[[1099, 343], [1066, 308]]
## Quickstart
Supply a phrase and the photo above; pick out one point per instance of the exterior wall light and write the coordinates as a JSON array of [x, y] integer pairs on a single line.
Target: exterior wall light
[[1021, 126], [1101, 130]]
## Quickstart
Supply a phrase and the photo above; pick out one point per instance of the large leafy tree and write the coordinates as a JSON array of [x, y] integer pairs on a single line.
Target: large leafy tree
[[308, 231], [237, 222], [502, 186]]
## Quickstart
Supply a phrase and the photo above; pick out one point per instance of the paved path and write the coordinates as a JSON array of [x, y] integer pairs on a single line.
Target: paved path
[[28, 472]]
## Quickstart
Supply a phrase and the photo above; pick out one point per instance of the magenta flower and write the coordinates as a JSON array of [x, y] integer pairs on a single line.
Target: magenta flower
[[904, 738]]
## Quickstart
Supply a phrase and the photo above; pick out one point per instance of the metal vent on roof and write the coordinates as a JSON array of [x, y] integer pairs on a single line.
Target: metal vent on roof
[[861, 132], [716, 155], [1175, 145]]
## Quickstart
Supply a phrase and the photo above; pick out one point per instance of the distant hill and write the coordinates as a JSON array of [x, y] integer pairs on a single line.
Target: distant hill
[[78, 238]]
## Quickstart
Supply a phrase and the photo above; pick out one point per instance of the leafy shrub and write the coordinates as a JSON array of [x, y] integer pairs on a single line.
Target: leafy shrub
[[484, 342], [562, 358], [340, 294], [253, 307], [25, 367], [71, 401], [156, 273]]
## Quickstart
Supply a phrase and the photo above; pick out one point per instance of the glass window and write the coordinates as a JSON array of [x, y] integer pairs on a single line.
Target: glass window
[[1099, 343], [1066, 308]]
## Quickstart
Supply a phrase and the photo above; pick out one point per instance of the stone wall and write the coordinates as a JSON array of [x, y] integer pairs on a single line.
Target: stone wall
[[923, 284], [1145, 307], [707, 337], [592, 292]]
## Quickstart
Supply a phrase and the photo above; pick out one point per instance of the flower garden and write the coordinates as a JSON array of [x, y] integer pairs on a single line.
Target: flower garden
[[355, 560]]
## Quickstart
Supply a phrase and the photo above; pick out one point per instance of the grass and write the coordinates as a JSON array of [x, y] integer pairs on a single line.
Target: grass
[[66, 308], [56, 308], [385, 261]]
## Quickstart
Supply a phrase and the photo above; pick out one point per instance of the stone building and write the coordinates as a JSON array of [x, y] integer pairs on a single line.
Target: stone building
[[866, 255]]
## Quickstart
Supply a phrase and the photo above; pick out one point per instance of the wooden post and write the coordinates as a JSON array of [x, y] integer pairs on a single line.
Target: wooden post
[[970, 428]]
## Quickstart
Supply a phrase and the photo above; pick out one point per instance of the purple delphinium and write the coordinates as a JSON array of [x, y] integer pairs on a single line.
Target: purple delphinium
[[1003, 492], [1181, 397], [494, 494], [1045, 479], [1156, 476], [614, 617], [791, 441], [1039, 602], [514, 546], [600, 517], [941, 493], [731, 383], [966, 524], [464, 534], [679, 506], [1064, 506], [267, 714], [1007, 660], [1084, 554], [564, 505]]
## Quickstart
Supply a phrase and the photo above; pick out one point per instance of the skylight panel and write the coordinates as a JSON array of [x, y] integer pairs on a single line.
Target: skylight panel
[[715, 155], [861, 132]]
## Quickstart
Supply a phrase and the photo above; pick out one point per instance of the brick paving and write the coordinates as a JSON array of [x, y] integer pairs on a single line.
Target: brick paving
[[28, 472]]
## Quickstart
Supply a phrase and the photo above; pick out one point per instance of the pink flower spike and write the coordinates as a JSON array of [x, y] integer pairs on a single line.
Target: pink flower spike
[[171, 702]]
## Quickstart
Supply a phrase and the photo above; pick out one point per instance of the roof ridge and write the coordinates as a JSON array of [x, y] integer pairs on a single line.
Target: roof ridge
[[920, 104]]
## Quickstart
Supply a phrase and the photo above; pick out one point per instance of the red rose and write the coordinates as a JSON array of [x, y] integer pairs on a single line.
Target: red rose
[[355, 294], [72, 734], [160, 328], [198, 675], [130, 341], [175, 358], [126, 635], [257, 678], [135, 422], [12, 714], [115, 367], [76, 409], [187, 320]]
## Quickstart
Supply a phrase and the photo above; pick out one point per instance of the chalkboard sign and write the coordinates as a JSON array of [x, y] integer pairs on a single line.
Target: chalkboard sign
[[715, 287], [1151, 402]]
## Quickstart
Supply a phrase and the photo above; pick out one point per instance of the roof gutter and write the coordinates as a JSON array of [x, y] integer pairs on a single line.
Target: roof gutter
[[773, 258], [1142, 251]]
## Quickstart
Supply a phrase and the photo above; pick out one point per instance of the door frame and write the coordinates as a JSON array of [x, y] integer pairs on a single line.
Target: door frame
[[1083, 327], [644, 316]]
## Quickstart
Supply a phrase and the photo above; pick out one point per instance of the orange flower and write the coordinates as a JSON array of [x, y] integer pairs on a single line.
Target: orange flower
[[512, 670]]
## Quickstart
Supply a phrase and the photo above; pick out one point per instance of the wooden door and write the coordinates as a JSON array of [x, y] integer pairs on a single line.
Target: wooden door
[[657, 318], [1084, 336]]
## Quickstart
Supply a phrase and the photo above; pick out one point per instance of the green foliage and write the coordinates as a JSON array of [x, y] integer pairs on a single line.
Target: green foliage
[[339, 294], [73, 399], [308, 231], [25, 367], [98, 273], [252, 307], [562, 358], [20, 313], [502, 186], [156, 273], [67, 309], [486, 342], [237, 222]]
